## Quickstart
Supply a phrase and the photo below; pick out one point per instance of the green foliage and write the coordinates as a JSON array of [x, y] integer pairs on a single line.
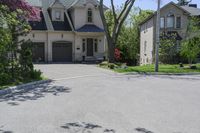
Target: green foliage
[[162, 69], [5, 78], [15, 62], [35, 74], [169, 49], [25, 59], [191, 49], [128, 41]]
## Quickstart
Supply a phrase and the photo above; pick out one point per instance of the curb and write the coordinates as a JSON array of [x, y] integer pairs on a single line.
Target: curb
[[28, 86], [167, 74]]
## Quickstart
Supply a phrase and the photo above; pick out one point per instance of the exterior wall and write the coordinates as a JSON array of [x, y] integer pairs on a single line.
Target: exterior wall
[[48, 38], [171, 9], [80, 16], [76, 39], [147, 34], [79, 49], [150, 35]]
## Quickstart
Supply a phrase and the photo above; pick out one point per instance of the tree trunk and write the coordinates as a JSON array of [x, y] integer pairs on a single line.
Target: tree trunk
[[111, 49]]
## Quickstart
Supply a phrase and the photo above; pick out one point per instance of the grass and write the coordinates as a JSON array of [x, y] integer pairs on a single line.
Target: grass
[[162, 69]]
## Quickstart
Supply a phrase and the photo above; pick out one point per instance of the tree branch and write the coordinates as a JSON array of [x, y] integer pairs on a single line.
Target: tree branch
[[103, 18]]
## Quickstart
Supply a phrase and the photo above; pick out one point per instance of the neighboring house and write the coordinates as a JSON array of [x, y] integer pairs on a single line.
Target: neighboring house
[[69, 31], [174, 20]]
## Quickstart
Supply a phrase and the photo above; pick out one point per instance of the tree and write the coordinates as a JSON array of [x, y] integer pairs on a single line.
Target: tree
[[112, 35], [191, 44], [183, 2], [129, 38], [169, 48], [29, 11], [14, 16], [190, 49]]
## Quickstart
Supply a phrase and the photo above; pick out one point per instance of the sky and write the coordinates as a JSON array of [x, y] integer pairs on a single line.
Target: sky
[[148, 4]]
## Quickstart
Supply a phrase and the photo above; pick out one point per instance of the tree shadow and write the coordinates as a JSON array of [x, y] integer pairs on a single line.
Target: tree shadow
[[35, 93], [3, 131], [83, 127], [143, 130]]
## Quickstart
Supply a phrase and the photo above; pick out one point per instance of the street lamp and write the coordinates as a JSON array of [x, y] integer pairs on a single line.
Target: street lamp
[[157, 38]]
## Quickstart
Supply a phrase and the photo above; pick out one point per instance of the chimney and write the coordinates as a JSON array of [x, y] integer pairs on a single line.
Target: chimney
[[193, 5]]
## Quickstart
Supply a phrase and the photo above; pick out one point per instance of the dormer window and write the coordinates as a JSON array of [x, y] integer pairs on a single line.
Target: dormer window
[[89, 15], [58, 15]]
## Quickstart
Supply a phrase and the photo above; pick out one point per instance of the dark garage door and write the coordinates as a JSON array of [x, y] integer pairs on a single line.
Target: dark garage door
[[62, 52], [38, 52]]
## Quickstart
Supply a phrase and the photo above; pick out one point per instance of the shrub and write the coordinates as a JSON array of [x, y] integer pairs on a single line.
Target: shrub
[[111, 65], [35, 74], [105, 63], [193, 67], [5, 78]]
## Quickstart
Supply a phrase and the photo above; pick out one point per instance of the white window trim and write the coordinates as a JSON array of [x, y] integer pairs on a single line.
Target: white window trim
[[176, 22], [163, 22], [91, 16], [173, 21]]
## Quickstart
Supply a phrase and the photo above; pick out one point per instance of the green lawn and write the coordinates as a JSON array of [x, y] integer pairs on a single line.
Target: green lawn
[[162, 69]]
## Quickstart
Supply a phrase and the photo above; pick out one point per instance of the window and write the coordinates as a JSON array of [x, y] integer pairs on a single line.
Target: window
[[145, 47], [95, 45], [90, 15], [145, 27], [170, 21], [162, 22], [58, 15], [178, 22], [83, 45]]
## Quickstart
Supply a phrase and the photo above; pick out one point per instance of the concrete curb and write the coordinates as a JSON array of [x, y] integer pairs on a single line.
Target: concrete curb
[[27, 86], [167, 74]]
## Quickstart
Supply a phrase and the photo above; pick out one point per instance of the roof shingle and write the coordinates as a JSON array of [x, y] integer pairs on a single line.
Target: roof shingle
[[90, 28]]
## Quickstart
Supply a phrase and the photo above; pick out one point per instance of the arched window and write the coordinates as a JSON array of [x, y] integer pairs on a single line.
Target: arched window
[[89, 15]]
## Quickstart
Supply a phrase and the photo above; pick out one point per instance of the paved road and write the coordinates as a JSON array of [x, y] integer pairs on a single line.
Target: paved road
[[86, 98]]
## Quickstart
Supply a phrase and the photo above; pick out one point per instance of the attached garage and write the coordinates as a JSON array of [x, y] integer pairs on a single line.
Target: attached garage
[[38, 52], [62, 52]]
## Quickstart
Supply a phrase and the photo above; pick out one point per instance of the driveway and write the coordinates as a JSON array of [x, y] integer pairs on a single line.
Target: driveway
[[87, 99]]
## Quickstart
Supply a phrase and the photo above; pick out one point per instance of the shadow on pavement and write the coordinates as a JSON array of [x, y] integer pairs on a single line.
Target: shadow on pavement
[[143, 130], [3, 131], [33, 94], [84, 127]]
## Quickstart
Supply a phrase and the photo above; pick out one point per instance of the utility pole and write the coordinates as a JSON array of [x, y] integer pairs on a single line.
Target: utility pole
[[157, 38]]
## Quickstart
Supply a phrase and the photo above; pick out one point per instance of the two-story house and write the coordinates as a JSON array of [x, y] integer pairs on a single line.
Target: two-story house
[[174, 20], [69, 31]]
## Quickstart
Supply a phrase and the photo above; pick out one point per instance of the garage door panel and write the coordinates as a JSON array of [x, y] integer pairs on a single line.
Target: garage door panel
[[38, 52], [62, 52]]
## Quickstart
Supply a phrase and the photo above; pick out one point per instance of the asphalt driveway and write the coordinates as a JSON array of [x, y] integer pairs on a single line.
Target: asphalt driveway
[[87, 99]]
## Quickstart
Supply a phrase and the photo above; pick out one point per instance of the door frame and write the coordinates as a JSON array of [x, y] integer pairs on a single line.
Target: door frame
[[91, 45]]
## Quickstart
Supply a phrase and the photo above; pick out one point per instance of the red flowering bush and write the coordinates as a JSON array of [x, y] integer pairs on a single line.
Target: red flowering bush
[[117, 54], [30, 12]]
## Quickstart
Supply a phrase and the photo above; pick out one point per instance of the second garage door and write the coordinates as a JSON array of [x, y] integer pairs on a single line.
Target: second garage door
[[62, 52]]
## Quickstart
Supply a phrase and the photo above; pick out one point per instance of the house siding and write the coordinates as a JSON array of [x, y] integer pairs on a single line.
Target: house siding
[[146, 35], [150, 35]]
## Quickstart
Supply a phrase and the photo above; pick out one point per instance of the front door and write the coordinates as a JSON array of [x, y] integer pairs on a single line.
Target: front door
[[90, 51]]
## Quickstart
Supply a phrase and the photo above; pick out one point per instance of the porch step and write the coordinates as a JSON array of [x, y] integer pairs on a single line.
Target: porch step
[[90, 59]]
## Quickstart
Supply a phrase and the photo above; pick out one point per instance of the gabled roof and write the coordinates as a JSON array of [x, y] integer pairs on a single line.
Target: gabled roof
[[170, 3], [82, 2], [192, 10], [56, 2], [90, 28]]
